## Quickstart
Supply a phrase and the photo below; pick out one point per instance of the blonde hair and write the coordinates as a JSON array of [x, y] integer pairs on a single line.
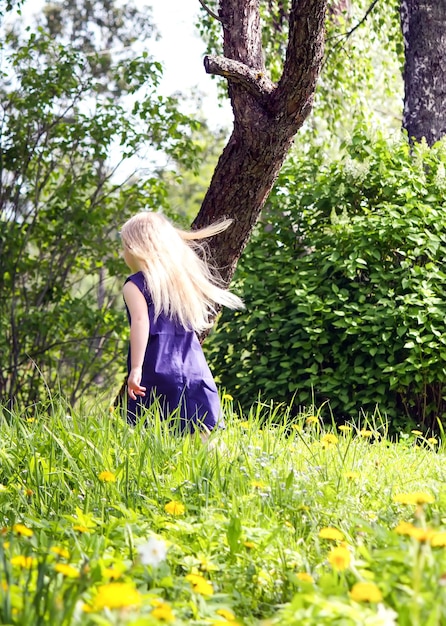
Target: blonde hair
[[179, 278]]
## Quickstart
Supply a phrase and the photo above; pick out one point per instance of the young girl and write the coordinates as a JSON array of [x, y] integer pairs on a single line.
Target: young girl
[[170, 297]]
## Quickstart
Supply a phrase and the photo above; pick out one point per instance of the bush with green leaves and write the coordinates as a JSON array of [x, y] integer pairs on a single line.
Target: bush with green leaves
[[344, 284]]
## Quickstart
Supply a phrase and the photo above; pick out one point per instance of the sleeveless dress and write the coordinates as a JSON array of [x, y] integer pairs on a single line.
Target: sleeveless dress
[[175, 373]]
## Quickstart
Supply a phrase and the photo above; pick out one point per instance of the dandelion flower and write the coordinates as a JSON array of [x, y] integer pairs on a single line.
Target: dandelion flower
[[312, 419], [116, 596], [422, 535], [227, 397], [432, 440], [22, 530], [344, 428], [67, 570], [366, 433], [163, 612], [226, 613], [153, 552], [329, 439], [175, 508], [404, 528], [200, 585], [416, 497], [112, 573], [352, 475], [366, 592], [331, 533], [107, 477], [249, 544], [81, 529], [59, 551], [26, 562], [259, 484], [304, 577], [339, 558], [438, 540], [418, 433]]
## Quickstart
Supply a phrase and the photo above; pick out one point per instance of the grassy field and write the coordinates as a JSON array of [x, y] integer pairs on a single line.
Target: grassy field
[[102, 524]]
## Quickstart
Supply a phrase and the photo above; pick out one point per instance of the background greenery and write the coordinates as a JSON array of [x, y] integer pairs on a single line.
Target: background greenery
[[344, 287]]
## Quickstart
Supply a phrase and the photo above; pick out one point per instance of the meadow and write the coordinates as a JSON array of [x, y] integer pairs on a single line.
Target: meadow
[[277, 521]]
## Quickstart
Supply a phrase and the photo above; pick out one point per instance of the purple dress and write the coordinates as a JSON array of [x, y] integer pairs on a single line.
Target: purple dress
[[175, 373]]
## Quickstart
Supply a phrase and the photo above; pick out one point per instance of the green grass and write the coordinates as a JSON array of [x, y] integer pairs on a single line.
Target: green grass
[[246, 520]]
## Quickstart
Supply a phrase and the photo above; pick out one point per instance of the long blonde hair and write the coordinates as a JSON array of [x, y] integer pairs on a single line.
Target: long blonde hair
[[179, 278]]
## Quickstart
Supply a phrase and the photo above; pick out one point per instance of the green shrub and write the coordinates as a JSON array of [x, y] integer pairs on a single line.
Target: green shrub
[[344, 285]]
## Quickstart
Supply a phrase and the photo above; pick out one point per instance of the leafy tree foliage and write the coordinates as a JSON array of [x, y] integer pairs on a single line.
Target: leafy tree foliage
[[61, 203], [344, 287]]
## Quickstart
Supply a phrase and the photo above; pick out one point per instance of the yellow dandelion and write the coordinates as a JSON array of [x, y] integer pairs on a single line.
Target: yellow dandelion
[[366, 433], [226, 397], [404, 528], [67, 570], [416, 497], [29, 492], [329, 439], [22, 530], [60, 551], [438, 539], [352, 475], [26, 562], [331, 533], [312, 419], [163, 612], [304, 577], [200, 585], [81, 529], [107, 477], [344, 428], [30, 420], [422, 535], [245, 424], [417, 433], [112, 573], [339, 558], [259, 484], [366, 592], [226, 613], [297, 427], [249, 544], [116, 596], [175, 508], [432, 441]]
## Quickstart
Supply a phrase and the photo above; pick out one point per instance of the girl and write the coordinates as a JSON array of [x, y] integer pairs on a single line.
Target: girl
[[169, 297]]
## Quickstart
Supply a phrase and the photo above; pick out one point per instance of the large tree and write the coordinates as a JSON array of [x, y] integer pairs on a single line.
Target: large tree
[[423, 24], [267, 115]]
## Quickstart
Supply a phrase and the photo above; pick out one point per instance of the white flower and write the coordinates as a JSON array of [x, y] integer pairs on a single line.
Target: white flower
[[383, 617], [153, 552]]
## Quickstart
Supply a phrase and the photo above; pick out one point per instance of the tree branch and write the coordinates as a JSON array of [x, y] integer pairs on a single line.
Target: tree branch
[[254, 81], [209, 12], [366, 14]]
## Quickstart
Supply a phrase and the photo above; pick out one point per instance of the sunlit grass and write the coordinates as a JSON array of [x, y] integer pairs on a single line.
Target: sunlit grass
[[103, 523]]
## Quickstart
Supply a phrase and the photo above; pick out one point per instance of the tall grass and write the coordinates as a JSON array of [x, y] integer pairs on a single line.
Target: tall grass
[[89, 505]]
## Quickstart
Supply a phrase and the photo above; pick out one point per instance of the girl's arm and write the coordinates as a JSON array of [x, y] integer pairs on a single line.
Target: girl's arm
[[139, 337]]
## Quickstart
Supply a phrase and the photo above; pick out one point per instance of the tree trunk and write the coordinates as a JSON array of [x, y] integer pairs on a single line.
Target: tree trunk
[[266, 116], [423, 24]]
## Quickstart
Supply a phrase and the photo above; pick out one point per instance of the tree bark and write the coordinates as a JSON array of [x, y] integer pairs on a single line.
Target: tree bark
[[423, 24], [267, 116]]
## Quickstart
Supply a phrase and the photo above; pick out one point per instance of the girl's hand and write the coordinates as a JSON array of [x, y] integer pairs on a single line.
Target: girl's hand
[[134, 383]]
